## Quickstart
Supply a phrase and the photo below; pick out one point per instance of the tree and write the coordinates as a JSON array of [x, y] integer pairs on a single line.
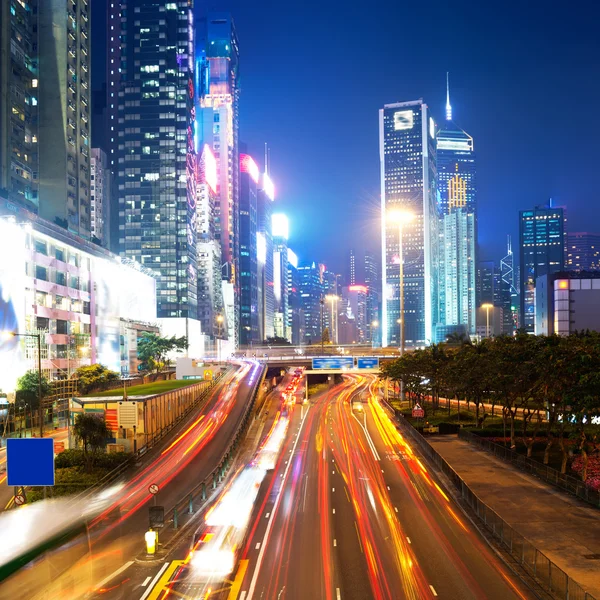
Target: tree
[[94, 377], [277, 341], [28, 389], [91, 430], [325, 337], [153, 350]]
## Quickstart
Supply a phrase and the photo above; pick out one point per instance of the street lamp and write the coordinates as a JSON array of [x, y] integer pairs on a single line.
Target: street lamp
[[401, 218], [333, 299], [487, 307], [9, 334]]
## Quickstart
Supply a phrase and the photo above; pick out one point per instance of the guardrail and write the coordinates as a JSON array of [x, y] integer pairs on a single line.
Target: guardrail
[[209, 483], [567, 483], [550, 577]]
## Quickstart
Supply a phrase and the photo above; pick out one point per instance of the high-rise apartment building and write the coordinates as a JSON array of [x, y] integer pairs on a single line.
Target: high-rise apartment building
[[248, 273], [64, 114], [457, 204], [217, 65], [210, 292], [100, 193], [541, 248], [583, 251], [311, 298], [407, 149], [156, 149], [19, 98]]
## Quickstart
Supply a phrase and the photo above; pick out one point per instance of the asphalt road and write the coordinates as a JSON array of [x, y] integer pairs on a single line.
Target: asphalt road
[[181, 462]]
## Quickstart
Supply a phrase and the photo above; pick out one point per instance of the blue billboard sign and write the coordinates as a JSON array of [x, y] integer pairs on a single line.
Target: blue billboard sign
[[29, 461], [333, 363], [367, 362]]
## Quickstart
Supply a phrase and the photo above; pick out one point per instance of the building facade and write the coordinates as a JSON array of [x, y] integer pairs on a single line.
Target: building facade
[[157, 161], [64, 114], [100, 193], [295, 312], [541, 248], [264, 247], [312, 302], [280, 230], [407, 149], [583, 251], [19, 98]]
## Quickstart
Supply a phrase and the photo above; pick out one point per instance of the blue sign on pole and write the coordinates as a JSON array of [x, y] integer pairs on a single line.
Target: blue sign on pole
[[334, 362], [367, 362], [29, 461]]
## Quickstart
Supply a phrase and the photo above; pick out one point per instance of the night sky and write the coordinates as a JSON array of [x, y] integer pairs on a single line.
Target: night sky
[[525, 83]]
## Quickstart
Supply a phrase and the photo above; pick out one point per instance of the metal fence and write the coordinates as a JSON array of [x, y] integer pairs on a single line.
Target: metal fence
[[550, 577], [569, 484]]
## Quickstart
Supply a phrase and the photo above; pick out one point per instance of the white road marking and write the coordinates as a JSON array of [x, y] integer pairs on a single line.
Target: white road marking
[[408, 540], [257, 546], [333, 472], [334, 542], [243, 595], [267, 515], [154, 581], [368, 436], [389, 488], [433, 590], [333, 489], [146, 581], [112, 575], [396, 508], [334, 511], [338, 595], [270, 523]]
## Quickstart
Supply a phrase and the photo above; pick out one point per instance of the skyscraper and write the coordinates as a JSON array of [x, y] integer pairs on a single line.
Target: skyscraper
[[408, 183], [508, 275], [373, 282], [217, 65], [352, 268], [19, 91], [311, 293], [583, 251], [157, 161], [100, 194], [248, 273], [295, 313], [280, 230], [541, 248], [457, 203]]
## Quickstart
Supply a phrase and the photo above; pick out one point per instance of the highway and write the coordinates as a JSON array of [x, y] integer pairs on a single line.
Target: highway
[[348, 512], [116, 537]]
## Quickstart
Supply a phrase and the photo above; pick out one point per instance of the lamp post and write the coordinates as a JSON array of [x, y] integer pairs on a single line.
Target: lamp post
[[38, 336], [487, 306], [333, 299]]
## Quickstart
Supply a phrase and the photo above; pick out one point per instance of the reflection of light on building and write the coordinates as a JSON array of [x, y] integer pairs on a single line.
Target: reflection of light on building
[[281, 226], [248, 165], [268, 186]]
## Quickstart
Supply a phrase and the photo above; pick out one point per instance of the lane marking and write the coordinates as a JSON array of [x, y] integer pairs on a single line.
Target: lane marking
[[257, 546], [147, 581], [338, 595], [153, 583], [237, 582], [334, 542], [270, 523], [333, 489], [267, 515], [408, 540], [389, 488], [243, 595], [113, 575], [368, 436], [358, 536], [433, 590], [396, 508], [333, 472], [334, 511]]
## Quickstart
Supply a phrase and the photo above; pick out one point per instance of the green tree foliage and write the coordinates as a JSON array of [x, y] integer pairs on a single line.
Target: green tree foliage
[[325, 336], [91, 430], [153, 350], [94, 377], [28, 389], [540, 381]]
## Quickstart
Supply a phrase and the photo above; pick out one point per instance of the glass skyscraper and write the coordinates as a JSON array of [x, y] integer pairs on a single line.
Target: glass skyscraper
[[457, 206], [407, 148], [583, 251], [541, 248], [157, 161]]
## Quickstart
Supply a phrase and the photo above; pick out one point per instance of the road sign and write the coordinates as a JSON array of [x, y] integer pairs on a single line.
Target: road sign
[[127, 414], [19, 499], [59, 447], [29, 461], [208, 374], [153, 489], [157, 516], [417, 412], [367, 362], [333, 363]]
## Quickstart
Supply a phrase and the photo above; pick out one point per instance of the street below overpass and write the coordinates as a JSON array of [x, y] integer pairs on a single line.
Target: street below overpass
[[350, 512]]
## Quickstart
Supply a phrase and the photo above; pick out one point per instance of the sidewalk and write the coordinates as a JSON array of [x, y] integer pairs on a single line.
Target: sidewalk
[[564, 529]]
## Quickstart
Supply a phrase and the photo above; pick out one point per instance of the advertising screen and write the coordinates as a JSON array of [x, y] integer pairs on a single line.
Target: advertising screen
[[335, 362], [12, 303]]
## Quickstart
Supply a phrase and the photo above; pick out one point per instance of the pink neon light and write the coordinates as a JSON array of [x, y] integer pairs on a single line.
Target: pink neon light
[[247, 165]]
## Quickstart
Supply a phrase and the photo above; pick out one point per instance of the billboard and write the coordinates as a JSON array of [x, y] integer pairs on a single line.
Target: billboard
[[335, 362], [12, 303], [367, 362]]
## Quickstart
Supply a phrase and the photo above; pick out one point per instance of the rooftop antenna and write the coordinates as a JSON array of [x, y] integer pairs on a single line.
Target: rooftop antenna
[[448, 106]]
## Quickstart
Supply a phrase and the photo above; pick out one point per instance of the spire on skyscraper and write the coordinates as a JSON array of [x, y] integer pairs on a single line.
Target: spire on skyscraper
[[448, 106]]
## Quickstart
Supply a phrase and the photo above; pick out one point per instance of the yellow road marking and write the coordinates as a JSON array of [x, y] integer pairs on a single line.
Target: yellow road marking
[[237, 582], [164, 580]]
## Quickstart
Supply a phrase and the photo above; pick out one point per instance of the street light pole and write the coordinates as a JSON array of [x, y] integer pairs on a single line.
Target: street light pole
[[487, 307], [322, 321], [41, 410]]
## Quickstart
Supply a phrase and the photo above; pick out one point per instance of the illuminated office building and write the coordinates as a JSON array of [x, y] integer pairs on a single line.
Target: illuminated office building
[[217, 64], [280, 230], [311, 294], [264, 246], [583, 251], [295, 312], [373, 283], [541, 246], [248, 273], [157, 159], [457, 206], [407, 148], [100, 195]]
